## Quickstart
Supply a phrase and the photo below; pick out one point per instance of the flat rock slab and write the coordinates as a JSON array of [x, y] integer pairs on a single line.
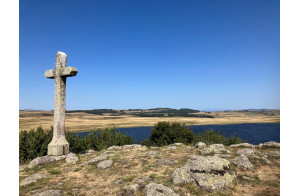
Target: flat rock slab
[[153, 153], [215, 148], [271, 154], [171, 148], [242, 161], [153, 189], [270, 144], [105, 164], [32, 178], [44, 160], [94, 160], [49, 193], [126, 147]]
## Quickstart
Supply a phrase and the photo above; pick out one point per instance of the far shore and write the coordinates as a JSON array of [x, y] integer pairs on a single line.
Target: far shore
[[83, 122]]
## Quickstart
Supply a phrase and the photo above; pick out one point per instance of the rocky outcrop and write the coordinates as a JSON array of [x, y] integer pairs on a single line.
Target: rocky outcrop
[[153, 189], [172, 148], [210, 173], [242, 161], [105, 164], [153, 153], [271, 144], [32, 178]]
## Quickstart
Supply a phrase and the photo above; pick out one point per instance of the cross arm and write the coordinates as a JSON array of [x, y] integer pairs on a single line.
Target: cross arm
[[65, 72]]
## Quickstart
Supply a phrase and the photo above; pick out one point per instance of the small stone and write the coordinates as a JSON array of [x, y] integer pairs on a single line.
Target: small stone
[[200, 145], [119, 181], [49, 193], [32, 178], [71, 158], [153, 189], [242, 161], [165, 162], [105, 164], [131, 190]]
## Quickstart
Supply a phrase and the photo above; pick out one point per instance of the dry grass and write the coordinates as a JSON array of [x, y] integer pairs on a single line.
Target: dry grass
[[82, 121]]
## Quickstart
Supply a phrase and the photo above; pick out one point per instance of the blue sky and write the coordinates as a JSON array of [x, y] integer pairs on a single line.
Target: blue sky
[[206, 54]]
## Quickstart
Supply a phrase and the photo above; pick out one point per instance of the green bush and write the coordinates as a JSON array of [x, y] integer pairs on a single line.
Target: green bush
[[34, 143], [216, 137], [164, 133]]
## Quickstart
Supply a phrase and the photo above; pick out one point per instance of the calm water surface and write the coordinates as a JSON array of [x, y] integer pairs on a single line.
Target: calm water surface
[[254, 133]]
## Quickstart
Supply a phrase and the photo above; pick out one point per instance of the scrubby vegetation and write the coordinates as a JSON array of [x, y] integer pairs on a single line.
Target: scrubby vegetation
[[34, 143], [165, 133]]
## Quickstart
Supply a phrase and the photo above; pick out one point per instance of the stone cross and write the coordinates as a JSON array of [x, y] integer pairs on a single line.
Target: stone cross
[[59, 145]]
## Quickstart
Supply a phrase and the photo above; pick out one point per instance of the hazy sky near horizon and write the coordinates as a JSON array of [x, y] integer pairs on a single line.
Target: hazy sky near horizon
[[206, 54]]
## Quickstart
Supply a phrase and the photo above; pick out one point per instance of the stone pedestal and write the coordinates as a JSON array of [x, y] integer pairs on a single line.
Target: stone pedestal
[[58, 147]]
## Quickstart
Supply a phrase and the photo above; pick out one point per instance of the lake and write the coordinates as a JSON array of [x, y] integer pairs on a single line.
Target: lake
[[254, 133]]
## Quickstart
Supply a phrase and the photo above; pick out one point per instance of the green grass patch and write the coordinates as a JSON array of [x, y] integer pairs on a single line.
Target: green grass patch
[[54, 171]]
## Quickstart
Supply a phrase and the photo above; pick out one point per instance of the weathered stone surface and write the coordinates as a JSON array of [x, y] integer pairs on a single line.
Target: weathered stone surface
[[182, 175], [244, 145], [177, 144], [208, 164], [49, 193], [131, 190], [242, 161], [171, 148], [271, 144], [94, 160], [119, 181], [215, 148], [90, 151], [265, 159], [165, 162], [115, 148], [105, 164], [32, 178], [200, 145], [213, 182], [271, 154], [59, 145], [44, 160], [143, 181], [245, 151], [22, 167], [223, 155], [133, 146], [153, 189], [71, 158]]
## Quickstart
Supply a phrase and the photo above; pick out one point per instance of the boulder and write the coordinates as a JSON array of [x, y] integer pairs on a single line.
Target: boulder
[[94, 160], [271, 154], [200, 145], [245, 151], [133, 146], [105, 164], [182, 175], [213, 182], [177, 144], [153, 189], [215, 148], [49, 193], [244, 145], [143, 181], [131, 190], [44, 160], [208, 164], [115, 148], [32, 178], [71, 158], [242, 161]]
